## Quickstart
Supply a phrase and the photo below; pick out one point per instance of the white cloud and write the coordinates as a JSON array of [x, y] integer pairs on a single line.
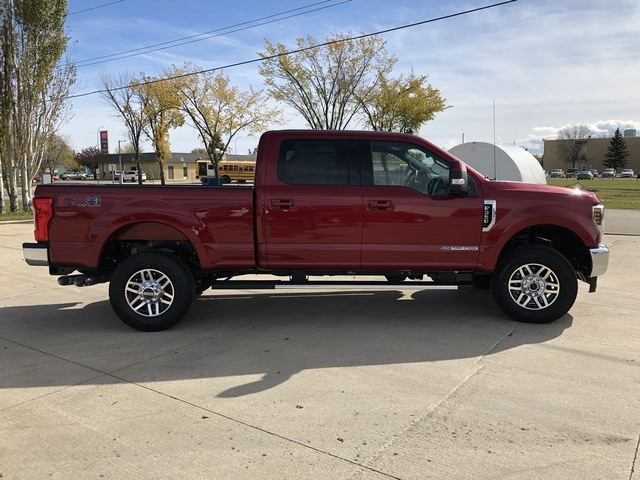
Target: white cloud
[[547, 64]]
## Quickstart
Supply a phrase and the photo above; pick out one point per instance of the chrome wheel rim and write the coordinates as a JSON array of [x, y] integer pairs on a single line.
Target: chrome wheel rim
[[149, 292], [534, 286]]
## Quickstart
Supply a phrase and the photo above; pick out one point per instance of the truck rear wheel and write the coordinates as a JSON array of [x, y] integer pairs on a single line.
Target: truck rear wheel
[[534, 284], [151, 291]]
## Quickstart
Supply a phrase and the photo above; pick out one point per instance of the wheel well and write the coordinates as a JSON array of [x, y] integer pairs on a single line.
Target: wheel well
[[561, 239], [137, 238]]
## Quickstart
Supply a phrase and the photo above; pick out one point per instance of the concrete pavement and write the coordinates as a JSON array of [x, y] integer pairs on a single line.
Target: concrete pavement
[[297, 385]]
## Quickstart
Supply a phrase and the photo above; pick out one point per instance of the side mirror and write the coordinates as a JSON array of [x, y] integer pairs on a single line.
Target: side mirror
[[458, 179]]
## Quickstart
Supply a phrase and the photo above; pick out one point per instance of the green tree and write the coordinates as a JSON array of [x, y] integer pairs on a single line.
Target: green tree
[[58, 153], [321, 81], [401, 104], [617, 153], [162, 110], [218, 110], [34, 87]]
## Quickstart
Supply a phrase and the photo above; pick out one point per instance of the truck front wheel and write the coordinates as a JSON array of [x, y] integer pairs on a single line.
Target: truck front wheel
[[151, 291], [534, 284]]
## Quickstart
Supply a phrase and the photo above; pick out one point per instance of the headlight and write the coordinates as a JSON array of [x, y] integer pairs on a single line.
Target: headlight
[[597, 214]]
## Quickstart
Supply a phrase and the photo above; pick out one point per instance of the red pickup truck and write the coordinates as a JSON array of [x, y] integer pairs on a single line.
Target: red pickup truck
[[325, 203]]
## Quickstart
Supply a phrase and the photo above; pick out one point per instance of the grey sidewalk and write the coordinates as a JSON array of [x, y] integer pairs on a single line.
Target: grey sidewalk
[[318, 385], [622, 222]]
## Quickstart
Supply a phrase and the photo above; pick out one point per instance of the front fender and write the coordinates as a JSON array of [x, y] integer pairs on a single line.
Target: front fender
[[510, 222]]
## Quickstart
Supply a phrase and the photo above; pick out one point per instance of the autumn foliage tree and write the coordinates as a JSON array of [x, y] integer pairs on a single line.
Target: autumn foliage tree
[[218, 110], [161, 106], [401, 104], [320, 80]]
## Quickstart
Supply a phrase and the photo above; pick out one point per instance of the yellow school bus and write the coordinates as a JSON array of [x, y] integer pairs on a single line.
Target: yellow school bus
[[228, 170]]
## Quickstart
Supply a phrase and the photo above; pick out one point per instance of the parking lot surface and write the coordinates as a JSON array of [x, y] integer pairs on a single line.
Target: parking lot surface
[[432, 384]]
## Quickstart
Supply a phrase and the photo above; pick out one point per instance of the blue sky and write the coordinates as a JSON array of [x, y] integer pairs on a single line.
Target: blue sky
[[545, 63]]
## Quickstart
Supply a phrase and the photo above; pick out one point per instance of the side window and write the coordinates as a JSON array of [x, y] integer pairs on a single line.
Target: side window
[[407, 165], [317, 162]]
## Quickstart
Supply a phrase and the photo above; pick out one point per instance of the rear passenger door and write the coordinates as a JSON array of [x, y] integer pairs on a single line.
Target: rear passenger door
[[311, 205]]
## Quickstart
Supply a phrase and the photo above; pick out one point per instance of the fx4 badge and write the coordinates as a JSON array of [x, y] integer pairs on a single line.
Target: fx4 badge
[[80, 201]]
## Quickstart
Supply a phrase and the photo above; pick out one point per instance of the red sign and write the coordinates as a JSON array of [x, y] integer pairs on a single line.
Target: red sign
[[104, 141]]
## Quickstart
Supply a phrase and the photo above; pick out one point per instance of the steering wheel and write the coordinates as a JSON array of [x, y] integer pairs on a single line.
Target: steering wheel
[[411, 177], [436, 185]]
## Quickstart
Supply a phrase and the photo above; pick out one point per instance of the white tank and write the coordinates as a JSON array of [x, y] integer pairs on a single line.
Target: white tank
[[501, 162]]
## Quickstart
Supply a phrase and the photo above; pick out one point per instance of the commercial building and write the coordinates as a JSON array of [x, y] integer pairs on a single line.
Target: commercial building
[[592, 152], [181, 166]]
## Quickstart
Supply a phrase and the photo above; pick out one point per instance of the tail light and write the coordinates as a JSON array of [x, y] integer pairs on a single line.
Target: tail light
[[43, 212]]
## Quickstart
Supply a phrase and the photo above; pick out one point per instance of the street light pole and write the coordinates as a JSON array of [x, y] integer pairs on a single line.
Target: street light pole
[[120, 160], [100, 149]]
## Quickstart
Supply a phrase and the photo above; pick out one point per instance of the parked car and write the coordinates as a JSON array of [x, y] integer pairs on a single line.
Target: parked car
[[73, 176], [41, 177], [132, 176], [594, 171], [557, 173], [609, 173], [571, 172], [585, 175], [627, 173]]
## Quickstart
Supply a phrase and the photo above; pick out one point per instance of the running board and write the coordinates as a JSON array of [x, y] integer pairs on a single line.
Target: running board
[[279, 284]]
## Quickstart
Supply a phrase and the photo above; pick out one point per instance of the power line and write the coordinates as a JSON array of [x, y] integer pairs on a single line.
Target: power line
[[210, 34], [300, 50], [96, 7]]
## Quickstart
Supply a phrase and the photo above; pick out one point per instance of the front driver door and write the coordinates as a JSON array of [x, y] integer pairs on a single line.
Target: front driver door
[[410, 221]]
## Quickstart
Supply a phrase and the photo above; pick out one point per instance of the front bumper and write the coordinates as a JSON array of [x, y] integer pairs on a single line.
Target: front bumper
[[36, 254], [599, 260]]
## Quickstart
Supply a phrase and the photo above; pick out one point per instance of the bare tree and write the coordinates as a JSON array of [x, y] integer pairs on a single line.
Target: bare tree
[[572, 140], [118, 92]]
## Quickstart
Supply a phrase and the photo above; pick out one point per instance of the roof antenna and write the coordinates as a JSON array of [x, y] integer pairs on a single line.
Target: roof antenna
[[495, 166]]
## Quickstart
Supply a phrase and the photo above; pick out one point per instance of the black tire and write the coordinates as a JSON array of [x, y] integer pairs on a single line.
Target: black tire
[[534, 284], [399, 278], [200, 289], [151, 291]]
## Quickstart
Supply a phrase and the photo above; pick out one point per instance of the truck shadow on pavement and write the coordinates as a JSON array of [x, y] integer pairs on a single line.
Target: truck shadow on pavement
[[270, 335]]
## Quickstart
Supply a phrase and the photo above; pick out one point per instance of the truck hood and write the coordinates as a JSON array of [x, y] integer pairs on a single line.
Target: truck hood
[[562, 194]]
